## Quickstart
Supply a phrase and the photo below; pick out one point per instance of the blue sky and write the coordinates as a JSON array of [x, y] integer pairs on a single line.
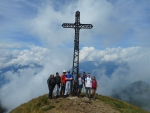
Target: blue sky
[[31, 33], [116, 23]]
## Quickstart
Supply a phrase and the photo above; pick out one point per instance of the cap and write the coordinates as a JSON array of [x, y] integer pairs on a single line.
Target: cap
[[64, 70]]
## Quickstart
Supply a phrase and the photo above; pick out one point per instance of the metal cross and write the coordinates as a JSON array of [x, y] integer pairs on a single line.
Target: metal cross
[[75, 68]]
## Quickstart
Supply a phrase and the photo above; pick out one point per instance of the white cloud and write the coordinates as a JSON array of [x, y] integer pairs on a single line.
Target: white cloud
[[112, 23], [25, 57], [114, 54], [137, 61], [117, 23], [31, 81]]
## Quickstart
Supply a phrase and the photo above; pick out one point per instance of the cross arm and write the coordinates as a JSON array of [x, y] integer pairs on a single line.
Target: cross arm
[[86, 26], [68, 25]]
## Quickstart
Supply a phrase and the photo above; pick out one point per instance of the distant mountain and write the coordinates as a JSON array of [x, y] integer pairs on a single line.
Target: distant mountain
[[16, 68], [137, 93], [110, 66], [88, 66]]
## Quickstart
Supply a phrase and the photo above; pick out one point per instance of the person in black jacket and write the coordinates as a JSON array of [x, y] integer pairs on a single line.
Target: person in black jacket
[[57, 86], [51, 85]]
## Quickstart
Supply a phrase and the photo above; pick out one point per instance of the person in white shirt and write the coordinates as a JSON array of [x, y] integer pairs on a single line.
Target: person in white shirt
[[88, 85]]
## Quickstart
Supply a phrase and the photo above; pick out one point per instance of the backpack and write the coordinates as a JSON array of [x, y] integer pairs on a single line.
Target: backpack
[[48, 80], [94, 83], [58, 79], [84, 77], [52, 81]]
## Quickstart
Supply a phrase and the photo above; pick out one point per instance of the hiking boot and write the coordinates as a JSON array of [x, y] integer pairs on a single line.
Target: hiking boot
[[50, 97], [93, 98], [87, 96], [55, 97]]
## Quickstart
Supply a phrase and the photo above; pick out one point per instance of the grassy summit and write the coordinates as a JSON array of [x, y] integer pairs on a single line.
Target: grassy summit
[[102, 104]]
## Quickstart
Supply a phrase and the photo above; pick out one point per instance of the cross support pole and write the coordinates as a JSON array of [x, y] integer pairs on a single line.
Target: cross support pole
[[75, 66]]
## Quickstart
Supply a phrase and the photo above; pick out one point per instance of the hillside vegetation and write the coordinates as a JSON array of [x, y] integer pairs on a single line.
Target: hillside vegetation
[[102, 104]]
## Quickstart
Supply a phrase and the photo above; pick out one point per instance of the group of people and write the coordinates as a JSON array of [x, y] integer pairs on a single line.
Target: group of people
[[88, 83], [63, 83]]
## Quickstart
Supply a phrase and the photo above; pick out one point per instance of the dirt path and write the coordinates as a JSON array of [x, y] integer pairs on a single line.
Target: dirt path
[[79, 105]]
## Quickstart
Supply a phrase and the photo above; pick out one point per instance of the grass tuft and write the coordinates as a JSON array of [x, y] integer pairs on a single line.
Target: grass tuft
[[57, 101], [48, 108], [121, 106]]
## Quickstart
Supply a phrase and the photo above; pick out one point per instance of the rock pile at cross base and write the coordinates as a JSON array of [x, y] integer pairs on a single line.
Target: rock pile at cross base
[[79, 105]]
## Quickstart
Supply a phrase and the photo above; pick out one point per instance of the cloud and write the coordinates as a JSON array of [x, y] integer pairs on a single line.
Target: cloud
[[114, 54], [112, 23], [115, 23], [34, 54], [136, 60], [30, 82]]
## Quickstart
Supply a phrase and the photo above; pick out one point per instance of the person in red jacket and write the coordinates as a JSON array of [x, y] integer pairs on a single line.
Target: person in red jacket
[[63, 83], [94, 87]]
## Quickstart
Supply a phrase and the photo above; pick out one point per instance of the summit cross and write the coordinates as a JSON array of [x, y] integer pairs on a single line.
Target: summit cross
[[75, 68]]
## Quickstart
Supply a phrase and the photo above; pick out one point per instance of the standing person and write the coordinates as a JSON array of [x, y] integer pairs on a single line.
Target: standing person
[[48, 84], [48, 79], [68, 83], [57, 86], [84, 77], [80, 84], [88, 85], [63, 83], [51, 85], [94, 87]]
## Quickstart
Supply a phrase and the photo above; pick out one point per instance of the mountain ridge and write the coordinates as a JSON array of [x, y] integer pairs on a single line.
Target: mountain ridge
[[102, 104], [136, 93]]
